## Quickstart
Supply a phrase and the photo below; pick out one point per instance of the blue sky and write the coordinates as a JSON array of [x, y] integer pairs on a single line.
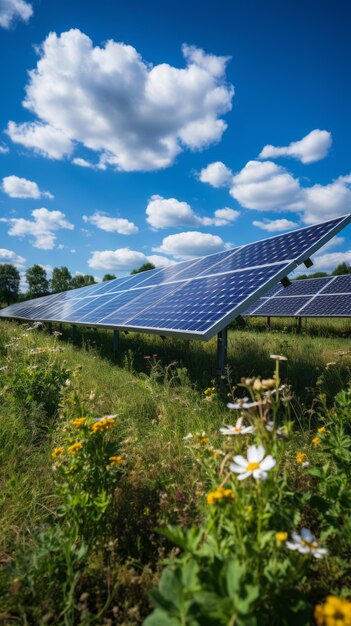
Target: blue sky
[[150, 131]]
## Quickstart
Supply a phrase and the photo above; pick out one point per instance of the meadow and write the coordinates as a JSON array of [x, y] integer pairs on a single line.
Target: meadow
[[127, 499]]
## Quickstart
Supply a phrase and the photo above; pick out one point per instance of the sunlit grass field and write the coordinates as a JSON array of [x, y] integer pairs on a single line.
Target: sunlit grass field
[[79, 540]]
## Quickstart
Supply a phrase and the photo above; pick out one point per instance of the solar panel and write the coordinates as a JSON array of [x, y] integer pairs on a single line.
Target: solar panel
[[193, 299], [329, 296]]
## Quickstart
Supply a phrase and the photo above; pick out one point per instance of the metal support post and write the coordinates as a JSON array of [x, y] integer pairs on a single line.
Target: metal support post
[[269, 322], [222, 348], [50, 328], [74, 333], [115, 342], [299, 324], [60, 327]]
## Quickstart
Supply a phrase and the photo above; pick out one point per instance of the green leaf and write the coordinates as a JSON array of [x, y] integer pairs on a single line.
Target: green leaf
[[160, 618]]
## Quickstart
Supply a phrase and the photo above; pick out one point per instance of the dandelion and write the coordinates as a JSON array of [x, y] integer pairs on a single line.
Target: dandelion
[[75, 447], [209, 391], [56, 452], [238, 429], [256, 464], [301, 459], [80, 421], [316, 441], [220, 494], [203, 439], [322, 429], [278, 357], [306, 543], [281, 536], [334, 612], [116, 460]]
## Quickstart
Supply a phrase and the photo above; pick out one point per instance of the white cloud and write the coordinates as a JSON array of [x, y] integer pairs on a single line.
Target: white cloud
[[3, 149], [111, 224], [82, 162], [190, 244], [265, 186], [42, 228], [321, 202], [13, 10], [124, 259], [170, 212], [42, 138], [274, 226], [313, 147], [9, 256], [328, 262], [134, 115], [16, 187], [159, 261], [216, 174]]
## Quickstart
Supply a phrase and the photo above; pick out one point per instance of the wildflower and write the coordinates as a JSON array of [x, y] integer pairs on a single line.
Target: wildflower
[[203, 439], [209, 391], [281, 536], [103, 423], [268, 383], [147, 357], [56, 452], [80, 421], [330, 364], [306, 543], [334, 612], [322, 429], [238, 429], [316, 441], [281, 431], [301, 459], [242, 403], [75, 447], [256, 464], [105, 417], [188, 437], [220, 494], [116, 460], [68, 382], [278, 357], [5, 367]]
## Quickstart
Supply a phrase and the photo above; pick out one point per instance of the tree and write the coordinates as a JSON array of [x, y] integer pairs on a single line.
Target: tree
[[108, 277], [61, 279], [82, 280], [315, 275], [143, 268], [9, 283], [343, 268], [38, 284]]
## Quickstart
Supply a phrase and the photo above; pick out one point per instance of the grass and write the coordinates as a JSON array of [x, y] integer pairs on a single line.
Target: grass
[[157, 408]]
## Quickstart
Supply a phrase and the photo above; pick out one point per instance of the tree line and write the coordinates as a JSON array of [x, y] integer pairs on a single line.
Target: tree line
[[40, 285]]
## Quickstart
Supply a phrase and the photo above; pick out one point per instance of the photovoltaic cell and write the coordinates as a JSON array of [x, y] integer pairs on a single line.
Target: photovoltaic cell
[[328, 306], [195, 298], [282, 306]]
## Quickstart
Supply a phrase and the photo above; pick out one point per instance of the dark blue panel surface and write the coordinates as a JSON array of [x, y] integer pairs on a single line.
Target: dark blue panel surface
[[328, 306], [132, 307], [341, 284], [308, 287], [282, 306]]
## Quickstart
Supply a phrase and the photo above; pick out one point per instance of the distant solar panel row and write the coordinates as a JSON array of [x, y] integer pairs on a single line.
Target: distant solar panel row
[[313, 297], [192, 299]]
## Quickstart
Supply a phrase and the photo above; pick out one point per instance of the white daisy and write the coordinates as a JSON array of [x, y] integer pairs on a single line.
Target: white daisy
[[278, 357], [306, 543], [238, 429], [256, 464], [242, 403]]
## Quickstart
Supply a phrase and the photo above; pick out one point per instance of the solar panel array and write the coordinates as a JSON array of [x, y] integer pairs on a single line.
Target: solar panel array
[[312, 297], [192, 299]]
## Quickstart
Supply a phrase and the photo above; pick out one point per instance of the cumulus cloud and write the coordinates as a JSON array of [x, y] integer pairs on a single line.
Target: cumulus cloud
[[16, 187], [216, 174], [111, 224], [3, 149], [42, 228], [275, 226], [124, 259], [320, 202], [328, 262], [264, 186], [170, 212], [82, 162], [313, 147], [9, 256], [190, 244], [12, 11], [134, 115], [42, 138]]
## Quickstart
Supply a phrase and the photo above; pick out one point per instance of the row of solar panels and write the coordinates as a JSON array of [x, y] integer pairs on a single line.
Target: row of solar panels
[[313, 297], [192, 299]]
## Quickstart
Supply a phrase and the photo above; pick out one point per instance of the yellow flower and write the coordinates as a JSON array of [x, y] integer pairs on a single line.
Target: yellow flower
[[316, 441], [104, 423], [56, 452], [334, 612], [301, 457], [281, 536], [116, 460], [322, 429], [219, 494], [209, 391], [75, 447], [203, 440], [80, 421]]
